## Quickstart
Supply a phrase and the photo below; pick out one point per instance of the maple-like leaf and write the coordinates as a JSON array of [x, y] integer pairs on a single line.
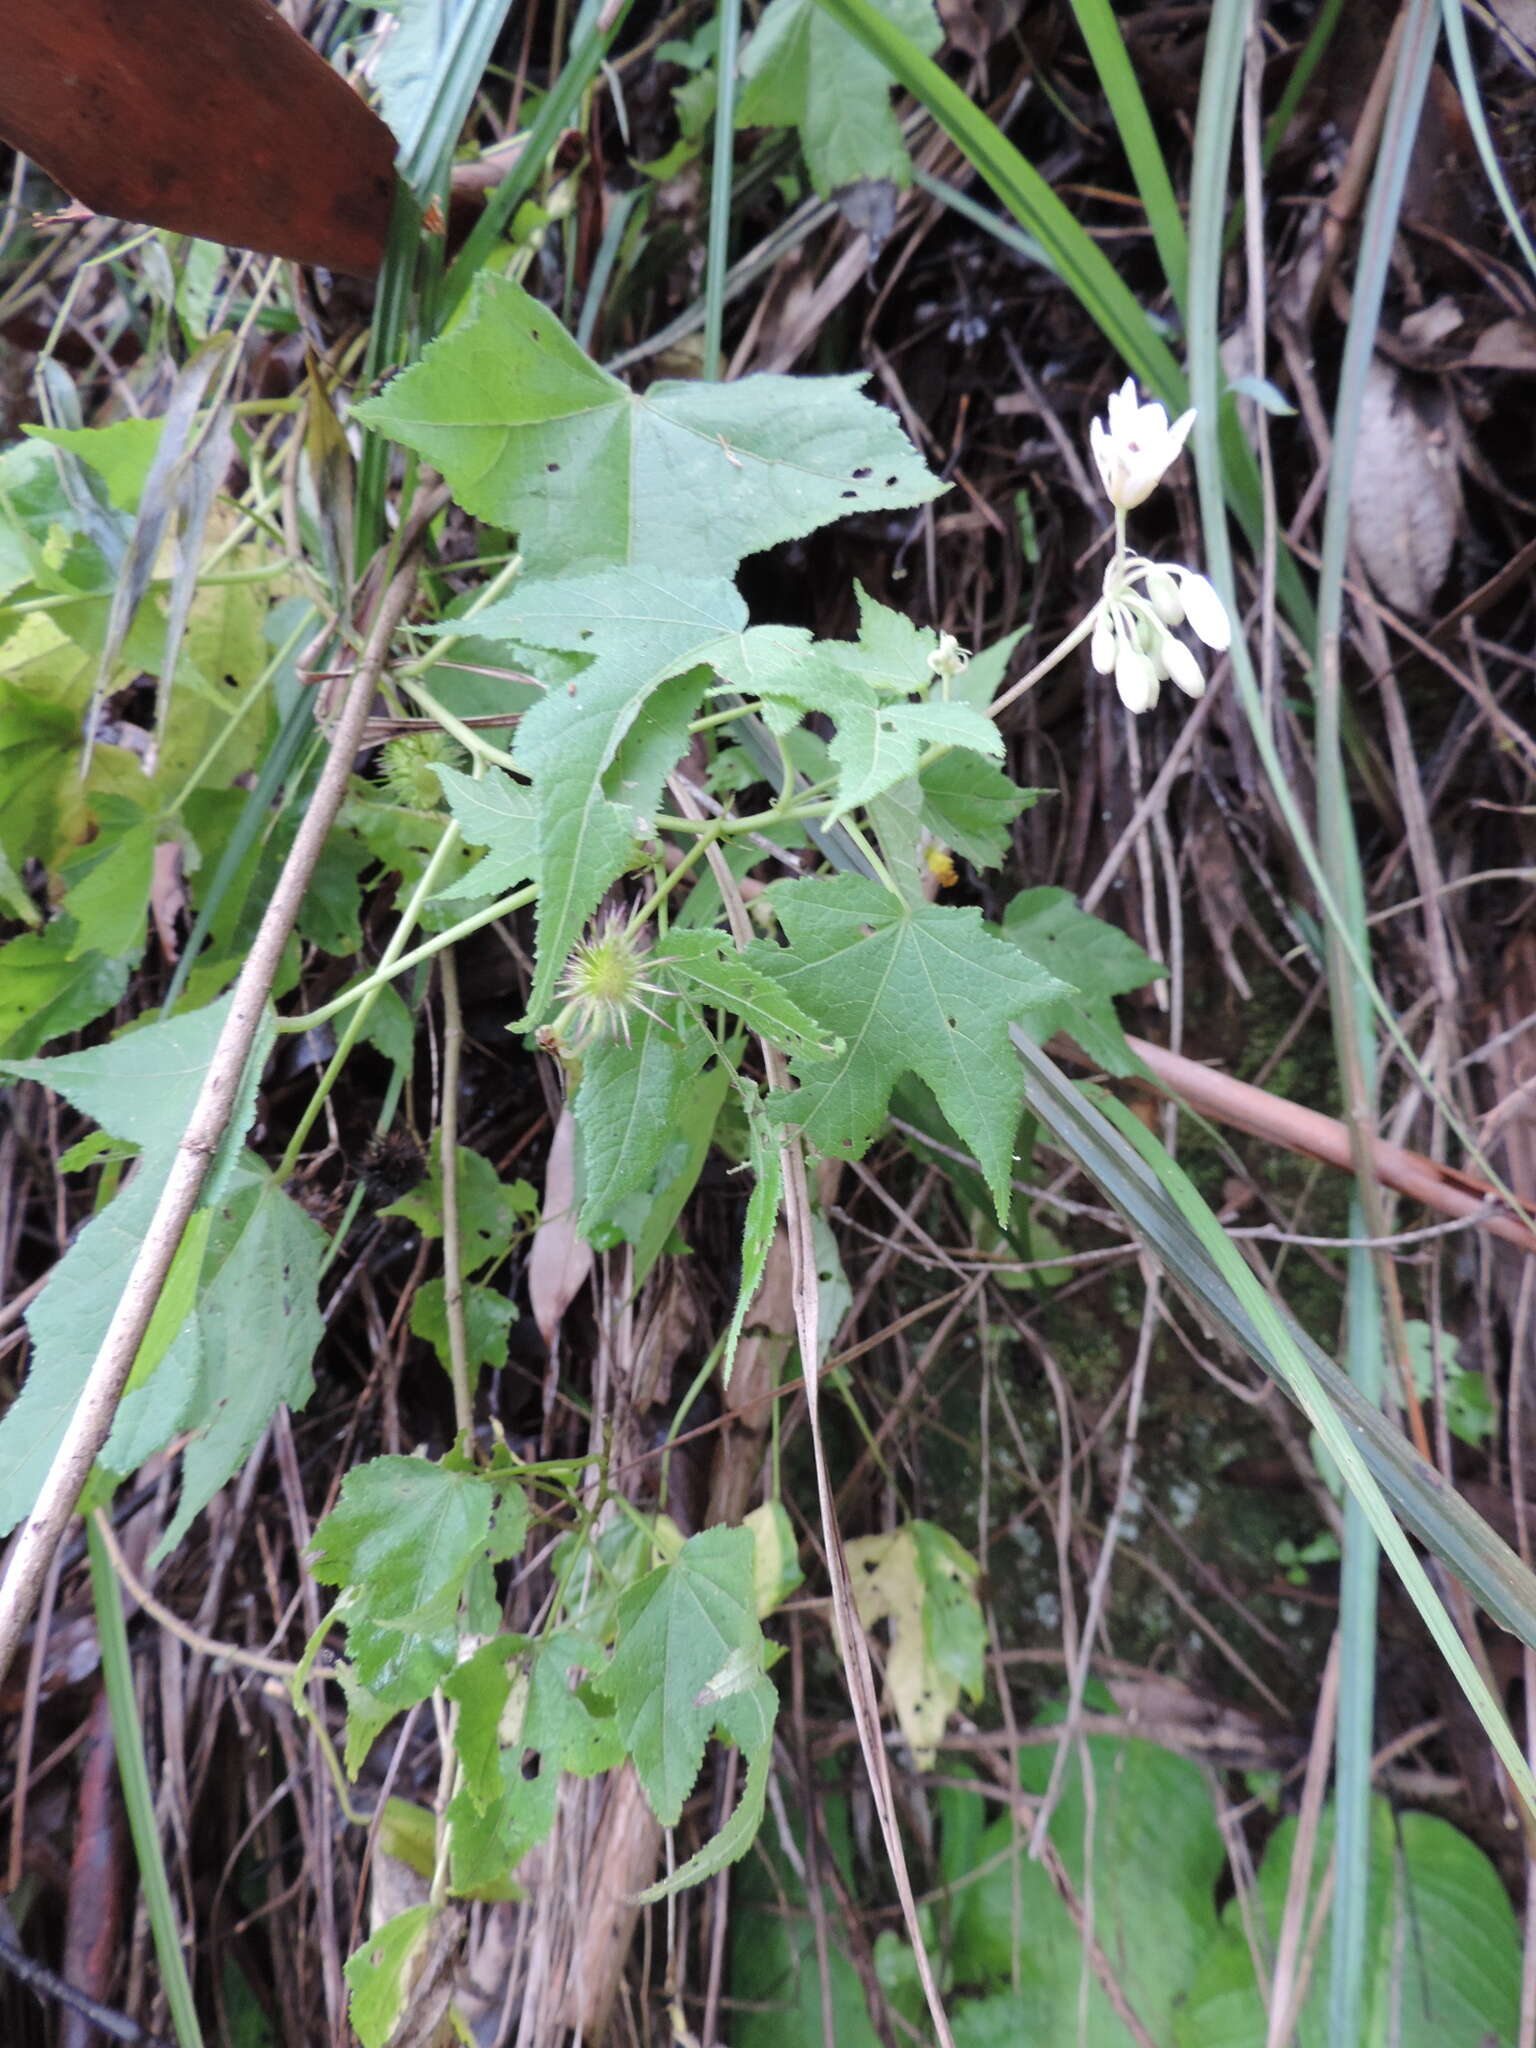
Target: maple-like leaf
[[802, 70], [1048, 928], [532, 435], [597, 747], [910, 988], [682, 1629]]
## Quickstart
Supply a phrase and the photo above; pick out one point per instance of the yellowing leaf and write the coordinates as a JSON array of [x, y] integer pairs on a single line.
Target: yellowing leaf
[[923, 1583]]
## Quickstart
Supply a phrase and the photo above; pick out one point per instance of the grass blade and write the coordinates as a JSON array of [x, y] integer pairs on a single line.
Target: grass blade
[[1156, 1198], [138, 1798], [721, 164], [1106, 46]]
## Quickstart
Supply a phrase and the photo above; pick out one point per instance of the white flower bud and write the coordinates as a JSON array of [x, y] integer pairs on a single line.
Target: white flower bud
[[1183, 668], [1135, 678], [1101, 649], [1163, 596], [949, 658], [1205, 610]]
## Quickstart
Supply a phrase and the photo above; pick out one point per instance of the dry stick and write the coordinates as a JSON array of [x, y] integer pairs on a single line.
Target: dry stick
[[858, 1668], [91, 1422], [1228, 1101], [1288, 1986]]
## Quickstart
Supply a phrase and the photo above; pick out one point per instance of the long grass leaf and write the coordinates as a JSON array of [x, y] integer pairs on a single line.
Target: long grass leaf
[[138, 1796], [1350, 984], [1477, 121], [1170, 1218], [1133, 124], [721, 164]]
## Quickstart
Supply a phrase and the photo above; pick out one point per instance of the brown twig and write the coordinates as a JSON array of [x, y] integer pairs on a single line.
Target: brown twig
[[91, 1422]]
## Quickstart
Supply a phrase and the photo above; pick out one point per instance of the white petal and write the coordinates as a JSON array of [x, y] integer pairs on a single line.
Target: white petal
[[1179, 432], [1135, 679], [1123, 408], [1101, 649], [1102, 444], [1183, 668], [1205, 610]]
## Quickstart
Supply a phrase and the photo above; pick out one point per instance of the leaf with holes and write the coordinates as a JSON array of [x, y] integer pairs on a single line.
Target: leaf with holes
[[531, 435], [921, 1581]]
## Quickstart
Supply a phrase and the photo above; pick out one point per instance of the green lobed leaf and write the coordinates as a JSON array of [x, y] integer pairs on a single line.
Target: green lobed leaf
[[120, 453], [405, 1533], [551, 1720], [876, 751], [766, 1162], [480, 1685], [801, 70], [954, 1632], [108, 882], [748, 1720], [377, 1975], [66, 1324], [922, 989], [259, 1326], [47, 991], [491, 1210], [142, 1088], [142, 1085], [1101, 962], [1157, 1856], [920, 1580], [678, 1630], [627, 1106], [499, 814], [488, 1319], [531, 435], [969, 804], [642, 630], [714, 970], [865, 687]]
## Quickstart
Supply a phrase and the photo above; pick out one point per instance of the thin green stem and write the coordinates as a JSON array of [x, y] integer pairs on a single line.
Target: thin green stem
[[391, 969], [363, 1003], [466, 735], [138, 1798]]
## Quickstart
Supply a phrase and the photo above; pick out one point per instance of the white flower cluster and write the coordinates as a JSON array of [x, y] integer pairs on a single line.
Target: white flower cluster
[[1133, 635], [1135, 620]]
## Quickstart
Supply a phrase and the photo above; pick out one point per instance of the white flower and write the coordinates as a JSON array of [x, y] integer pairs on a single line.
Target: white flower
[[1163, 596], [1136, 447], [949, 658], [1182, 667], [1101, 649], [1134, 625], [1204, 609], [1135, 678]]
